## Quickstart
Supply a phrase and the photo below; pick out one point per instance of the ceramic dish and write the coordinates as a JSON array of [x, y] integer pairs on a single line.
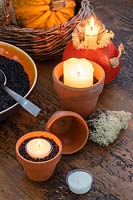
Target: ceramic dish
[[13, 52]]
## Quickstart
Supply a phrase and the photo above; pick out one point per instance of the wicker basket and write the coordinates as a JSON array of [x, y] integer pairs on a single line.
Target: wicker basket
[[41, 44]]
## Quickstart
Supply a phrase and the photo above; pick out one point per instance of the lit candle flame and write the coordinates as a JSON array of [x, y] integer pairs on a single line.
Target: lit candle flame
[[92, 23]]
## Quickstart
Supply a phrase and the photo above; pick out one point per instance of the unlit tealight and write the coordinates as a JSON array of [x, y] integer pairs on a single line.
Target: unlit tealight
[[79, 181]]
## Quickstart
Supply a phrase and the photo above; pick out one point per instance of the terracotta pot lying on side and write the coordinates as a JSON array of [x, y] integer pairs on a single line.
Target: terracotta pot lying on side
[[70, 128]]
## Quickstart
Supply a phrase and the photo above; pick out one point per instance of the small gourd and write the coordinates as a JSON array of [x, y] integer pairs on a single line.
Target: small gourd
[[42, 13]]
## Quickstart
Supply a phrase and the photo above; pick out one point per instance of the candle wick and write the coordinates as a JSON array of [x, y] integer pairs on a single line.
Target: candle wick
[[91, 28], [39, 144], [78, 73]]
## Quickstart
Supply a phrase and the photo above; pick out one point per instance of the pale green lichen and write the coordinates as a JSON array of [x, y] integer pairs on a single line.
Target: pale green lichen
[[106, 125]]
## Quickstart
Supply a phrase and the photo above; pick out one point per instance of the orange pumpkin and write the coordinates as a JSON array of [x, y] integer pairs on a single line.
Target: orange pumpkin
[[103, 56]]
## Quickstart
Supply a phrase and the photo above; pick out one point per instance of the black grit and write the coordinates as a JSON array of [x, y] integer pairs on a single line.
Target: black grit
[[17, 80]]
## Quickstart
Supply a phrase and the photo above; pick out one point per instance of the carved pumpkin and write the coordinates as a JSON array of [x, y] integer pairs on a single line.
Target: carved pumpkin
[[107, 57]]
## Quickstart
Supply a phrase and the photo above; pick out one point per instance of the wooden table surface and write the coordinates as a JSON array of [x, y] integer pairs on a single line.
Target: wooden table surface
[[112, 167]]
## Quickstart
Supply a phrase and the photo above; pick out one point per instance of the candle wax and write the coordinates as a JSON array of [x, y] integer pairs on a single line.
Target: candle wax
[[78, 73], [38, 148], [91, 33], [79, 181]]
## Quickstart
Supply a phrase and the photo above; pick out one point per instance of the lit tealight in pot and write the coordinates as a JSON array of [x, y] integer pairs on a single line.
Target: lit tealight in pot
[[38, 148], [79, 181], [39, 152]]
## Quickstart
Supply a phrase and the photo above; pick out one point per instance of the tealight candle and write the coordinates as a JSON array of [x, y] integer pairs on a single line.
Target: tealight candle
[[91, 33], [78, 73], [38, 148], [79, 181]]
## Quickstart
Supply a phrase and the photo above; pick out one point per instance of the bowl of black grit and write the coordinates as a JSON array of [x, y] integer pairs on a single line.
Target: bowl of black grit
[[21, 73]]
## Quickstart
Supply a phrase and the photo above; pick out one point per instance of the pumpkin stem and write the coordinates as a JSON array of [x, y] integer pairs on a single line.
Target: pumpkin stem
[[115, 61], [56, 4], [121, 49]]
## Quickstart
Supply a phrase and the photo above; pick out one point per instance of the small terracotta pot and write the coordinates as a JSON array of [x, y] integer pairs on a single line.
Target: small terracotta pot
[[80, 100], [70, 128], [39, 171]]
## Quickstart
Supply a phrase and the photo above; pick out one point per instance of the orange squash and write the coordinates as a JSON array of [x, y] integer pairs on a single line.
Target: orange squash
[[40, 13]]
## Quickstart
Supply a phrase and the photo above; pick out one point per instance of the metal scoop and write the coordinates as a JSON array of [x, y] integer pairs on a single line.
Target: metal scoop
[[26, 104]]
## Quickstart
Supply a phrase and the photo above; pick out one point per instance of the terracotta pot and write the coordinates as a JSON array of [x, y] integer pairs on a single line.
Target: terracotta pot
[[70, 128], [39, 171], [80, 100]]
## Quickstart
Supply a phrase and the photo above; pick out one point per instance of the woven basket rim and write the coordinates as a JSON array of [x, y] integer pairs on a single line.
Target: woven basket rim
[[7, 15], [44, 43]]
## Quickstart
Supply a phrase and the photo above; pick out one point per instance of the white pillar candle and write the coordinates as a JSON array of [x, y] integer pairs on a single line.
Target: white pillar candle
[[79, 181], [78, 73], [91, 33], [38, 148]]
